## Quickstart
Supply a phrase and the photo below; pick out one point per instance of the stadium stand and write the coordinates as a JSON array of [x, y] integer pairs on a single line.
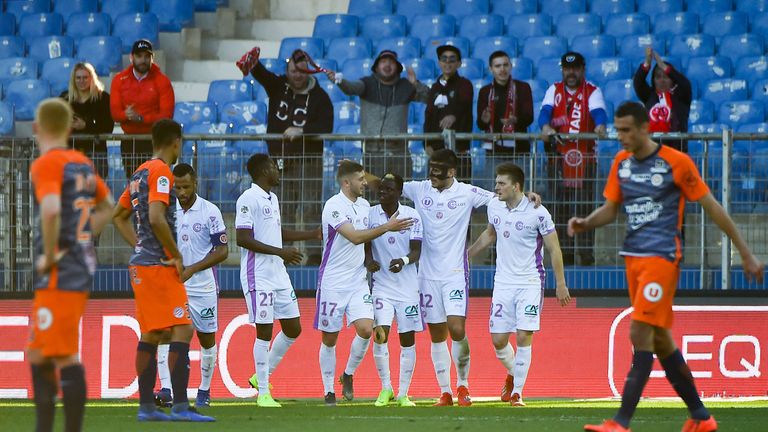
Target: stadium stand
[[12, 46], [330, 26], [6, 119], [525, 26], [383, 26], [131, 27], [676, 23], [312, 46], [652, 7], [539, 47], [578, 24], [69, 7], [103, 52], [49, 47], [116, 8], [24, 95], [80, 25], [606, 8], [193, 113], [555, 8], [42, 24], [702, 69], [687, 46], [7, 24], [370, 7], [412, 8], [594, 46], [57, 72], [405, 47], [738, 46], [702, 111], [485, 46], [628, 24], [477, 26], [342, 49], [426, 27], [462, 8], [17, 68], [522, 68], [514, 7], [707, 6], [461, 43], [237, 114], [472, 68], [222, 92], [173, 15]]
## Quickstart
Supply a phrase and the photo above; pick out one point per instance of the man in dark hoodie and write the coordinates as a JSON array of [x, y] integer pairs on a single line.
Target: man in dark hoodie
[[384, 100]]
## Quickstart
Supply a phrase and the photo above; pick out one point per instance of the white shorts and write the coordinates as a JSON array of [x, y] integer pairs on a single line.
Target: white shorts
[[406, 312], [439, 299], [332, 306], [203, 310], [514, 308], [265, 306]]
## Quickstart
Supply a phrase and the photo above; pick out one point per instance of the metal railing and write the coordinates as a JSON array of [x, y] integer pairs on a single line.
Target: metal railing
[[735, 166]]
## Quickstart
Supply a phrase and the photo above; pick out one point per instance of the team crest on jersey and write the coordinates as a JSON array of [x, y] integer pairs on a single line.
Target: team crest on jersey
[[163, 184], [412, 311], [178, 312], [541, 219], [427, 202], [44, 318], [657, 180], [197, 227], [185, 237], [519, 225], [660, 167], [391, 240], [365, 220], [456, 295], [439, 215], [496, 220], [506, 234], [573, 157], [267, 212]]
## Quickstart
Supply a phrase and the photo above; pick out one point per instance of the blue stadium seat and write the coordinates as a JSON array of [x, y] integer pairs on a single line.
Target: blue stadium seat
[[329, 64], [115, 8], [416, 113], [220, 166], [345, 113], [330, 26], [753, 146], [595, 46], [42, 24], [477, 26], [539, 47], [485, 46], [19, 8], [514, 7], [12, 46], [237, 114], [17, 68], [419, 158], [459, 42], [57, 72], [206, 5], [411, 8], [425, 27], [349, 48], [676, 23], [370, 7], [376, 27], [24, 95], [633, 46], [334, 92], [725, 90], [522, 68], [192, 113], [472, 68], [405, 47], [702, 111], [273, 65], [605, 152], [173, 15], [81, 25], [462, 8], [68, 7], [103, 52], [703, 7], [131, 27], [601, 70], [741, 112], [48, 47], [538, 89], [752, 68], [687, 46], [759, 90], [477, 85], [524, 26], [222, 92], [653, 7], [628, 24], [354, 69], [604, 8], [752, 6], [618, 91], [702, 69], [7, 24], [720, 24], [6, 119], [251, 147], [572, 25], [425, 68], [738, 46], [312, 46], [548, 69], [555, 8]]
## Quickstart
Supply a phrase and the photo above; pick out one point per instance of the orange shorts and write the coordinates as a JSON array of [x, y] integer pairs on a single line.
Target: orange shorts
[[56, 322], [652, 284], [161, 300]]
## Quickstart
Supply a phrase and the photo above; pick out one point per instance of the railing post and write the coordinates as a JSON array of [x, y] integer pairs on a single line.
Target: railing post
[[449, 139], [725, 241]]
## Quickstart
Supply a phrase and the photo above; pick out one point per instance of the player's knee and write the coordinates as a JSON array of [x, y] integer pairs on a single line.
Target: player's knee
[[181, 333], [207, 340], [264, 331], [500, 340], [524, 338], [457, 331], [641, 335], [292, 330], [364, 332]]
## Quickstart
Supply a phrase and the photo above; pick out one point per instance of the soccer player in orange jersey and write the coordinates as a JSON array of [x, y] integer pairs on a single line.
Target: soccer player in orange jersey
[[652, 183], [72, 204], [155, 268]]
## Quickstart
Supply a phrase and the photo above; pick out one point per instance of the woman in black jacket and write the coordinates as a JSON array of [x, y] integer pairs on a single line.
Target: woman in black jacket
[[90, 103], [668, 99]]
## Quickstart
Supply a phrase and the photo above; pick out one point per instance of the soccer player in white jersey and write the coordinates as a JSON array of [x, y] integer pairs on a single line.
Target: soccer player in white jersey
[[202, 239], [518, 230], [392, 259], [268, 291], [342, 287]]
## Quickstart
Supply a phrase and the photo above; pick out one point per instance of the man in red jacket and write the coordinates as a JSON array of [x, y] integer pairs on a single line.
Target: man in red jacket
[[141, 95]]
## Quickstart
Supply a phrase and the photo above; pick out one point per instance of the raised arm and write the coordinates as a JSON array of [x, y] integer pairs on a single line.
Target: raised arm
[[362, 236]]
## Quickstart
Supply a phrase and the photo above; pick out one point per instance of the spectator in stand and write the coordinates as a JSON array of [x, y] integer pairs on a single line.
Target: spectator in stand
[[384, 102], [573, 105], [90, 103], [141, 95], [505, 106], [667, 99]]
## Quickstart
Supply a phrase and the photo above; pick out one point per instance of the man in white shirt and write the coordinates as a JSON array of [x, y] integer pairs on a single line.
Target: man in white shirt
[[391, 259], [268, 291], [202, 240], [518, 230], [342, 288]]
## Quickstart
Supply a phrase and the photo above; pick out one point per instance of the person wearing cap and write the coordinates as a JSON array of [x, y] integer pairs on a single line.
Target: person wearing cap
[[449, 106], [140, 95], [573, 105], [384, 100], [505, 106]]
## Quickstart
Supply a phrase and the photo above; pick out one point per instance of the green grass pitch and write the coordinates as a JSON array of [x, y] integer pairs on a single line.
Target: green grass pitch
[[312, 416]]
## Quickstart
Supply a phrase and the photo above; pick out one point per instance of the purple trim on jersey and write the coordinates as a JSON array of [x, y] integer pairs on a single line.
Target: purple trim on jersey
[[466, 279], [254, 303], [548, 232], [215, 270], [321, 270], [250, 271], [336, 228], [540, 258]]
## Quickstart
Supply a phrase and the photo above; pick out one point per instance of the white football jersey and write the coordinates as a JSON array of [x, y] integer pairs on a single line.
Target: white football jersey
[[390, 246], [445, 220], [259, 211], [519, 242], [342, 265], [198, 231]]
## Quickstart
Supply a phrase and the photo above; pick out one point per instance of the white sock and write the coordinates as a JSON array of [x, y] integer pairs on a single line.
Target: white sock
[[407, 365], [460, 352], [522, 364], [162, 366], [207, 366], [441, 359], [280, 346], [327, 367], [381, 357], [261, 360], [356, 353], [507, 357]]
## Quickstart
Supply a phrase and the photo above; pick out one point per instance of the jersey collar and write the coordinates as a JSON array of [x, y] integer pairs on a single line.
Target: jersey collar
[[195, 206], [262, 192], [521, 206]]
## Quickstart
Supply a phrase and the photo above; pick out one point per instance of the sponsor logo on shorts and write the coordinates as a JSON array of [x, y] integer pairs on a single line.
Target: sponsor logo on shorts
[[368, 299], [531, 310], [44, 318], [178, 312], [293, 295], [439, 215], [325, 322], [412, 311], [263, 314], [506, 234], [490, 323], [208, 313], [134, 275], [456, 295], [653, 292], [391, 240]]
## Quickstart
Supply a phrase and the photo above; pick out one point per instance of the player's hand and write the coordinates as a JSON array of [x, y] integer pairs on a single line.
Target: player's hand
[[411, 75], [292, 132], [176, 262], [291, 256], [331, 76], [131, 114], [659, 61], [509, 121], [379, 335], [577, 225], [648, 55], [317, 233], [534, 198], [187, 273], [753, 268], [396, 265], [447, 122], [78, 123], [600, 130], [248, 61], [485, 117], [395, 224], [546, 132], [563, 296], [372, 266], [43, 265]]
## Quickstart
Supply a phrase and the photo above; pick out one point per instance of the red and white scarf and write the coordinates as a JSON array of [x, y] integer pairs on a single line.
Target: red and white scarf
[[661, 113], [509, 103], [570, 114]]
